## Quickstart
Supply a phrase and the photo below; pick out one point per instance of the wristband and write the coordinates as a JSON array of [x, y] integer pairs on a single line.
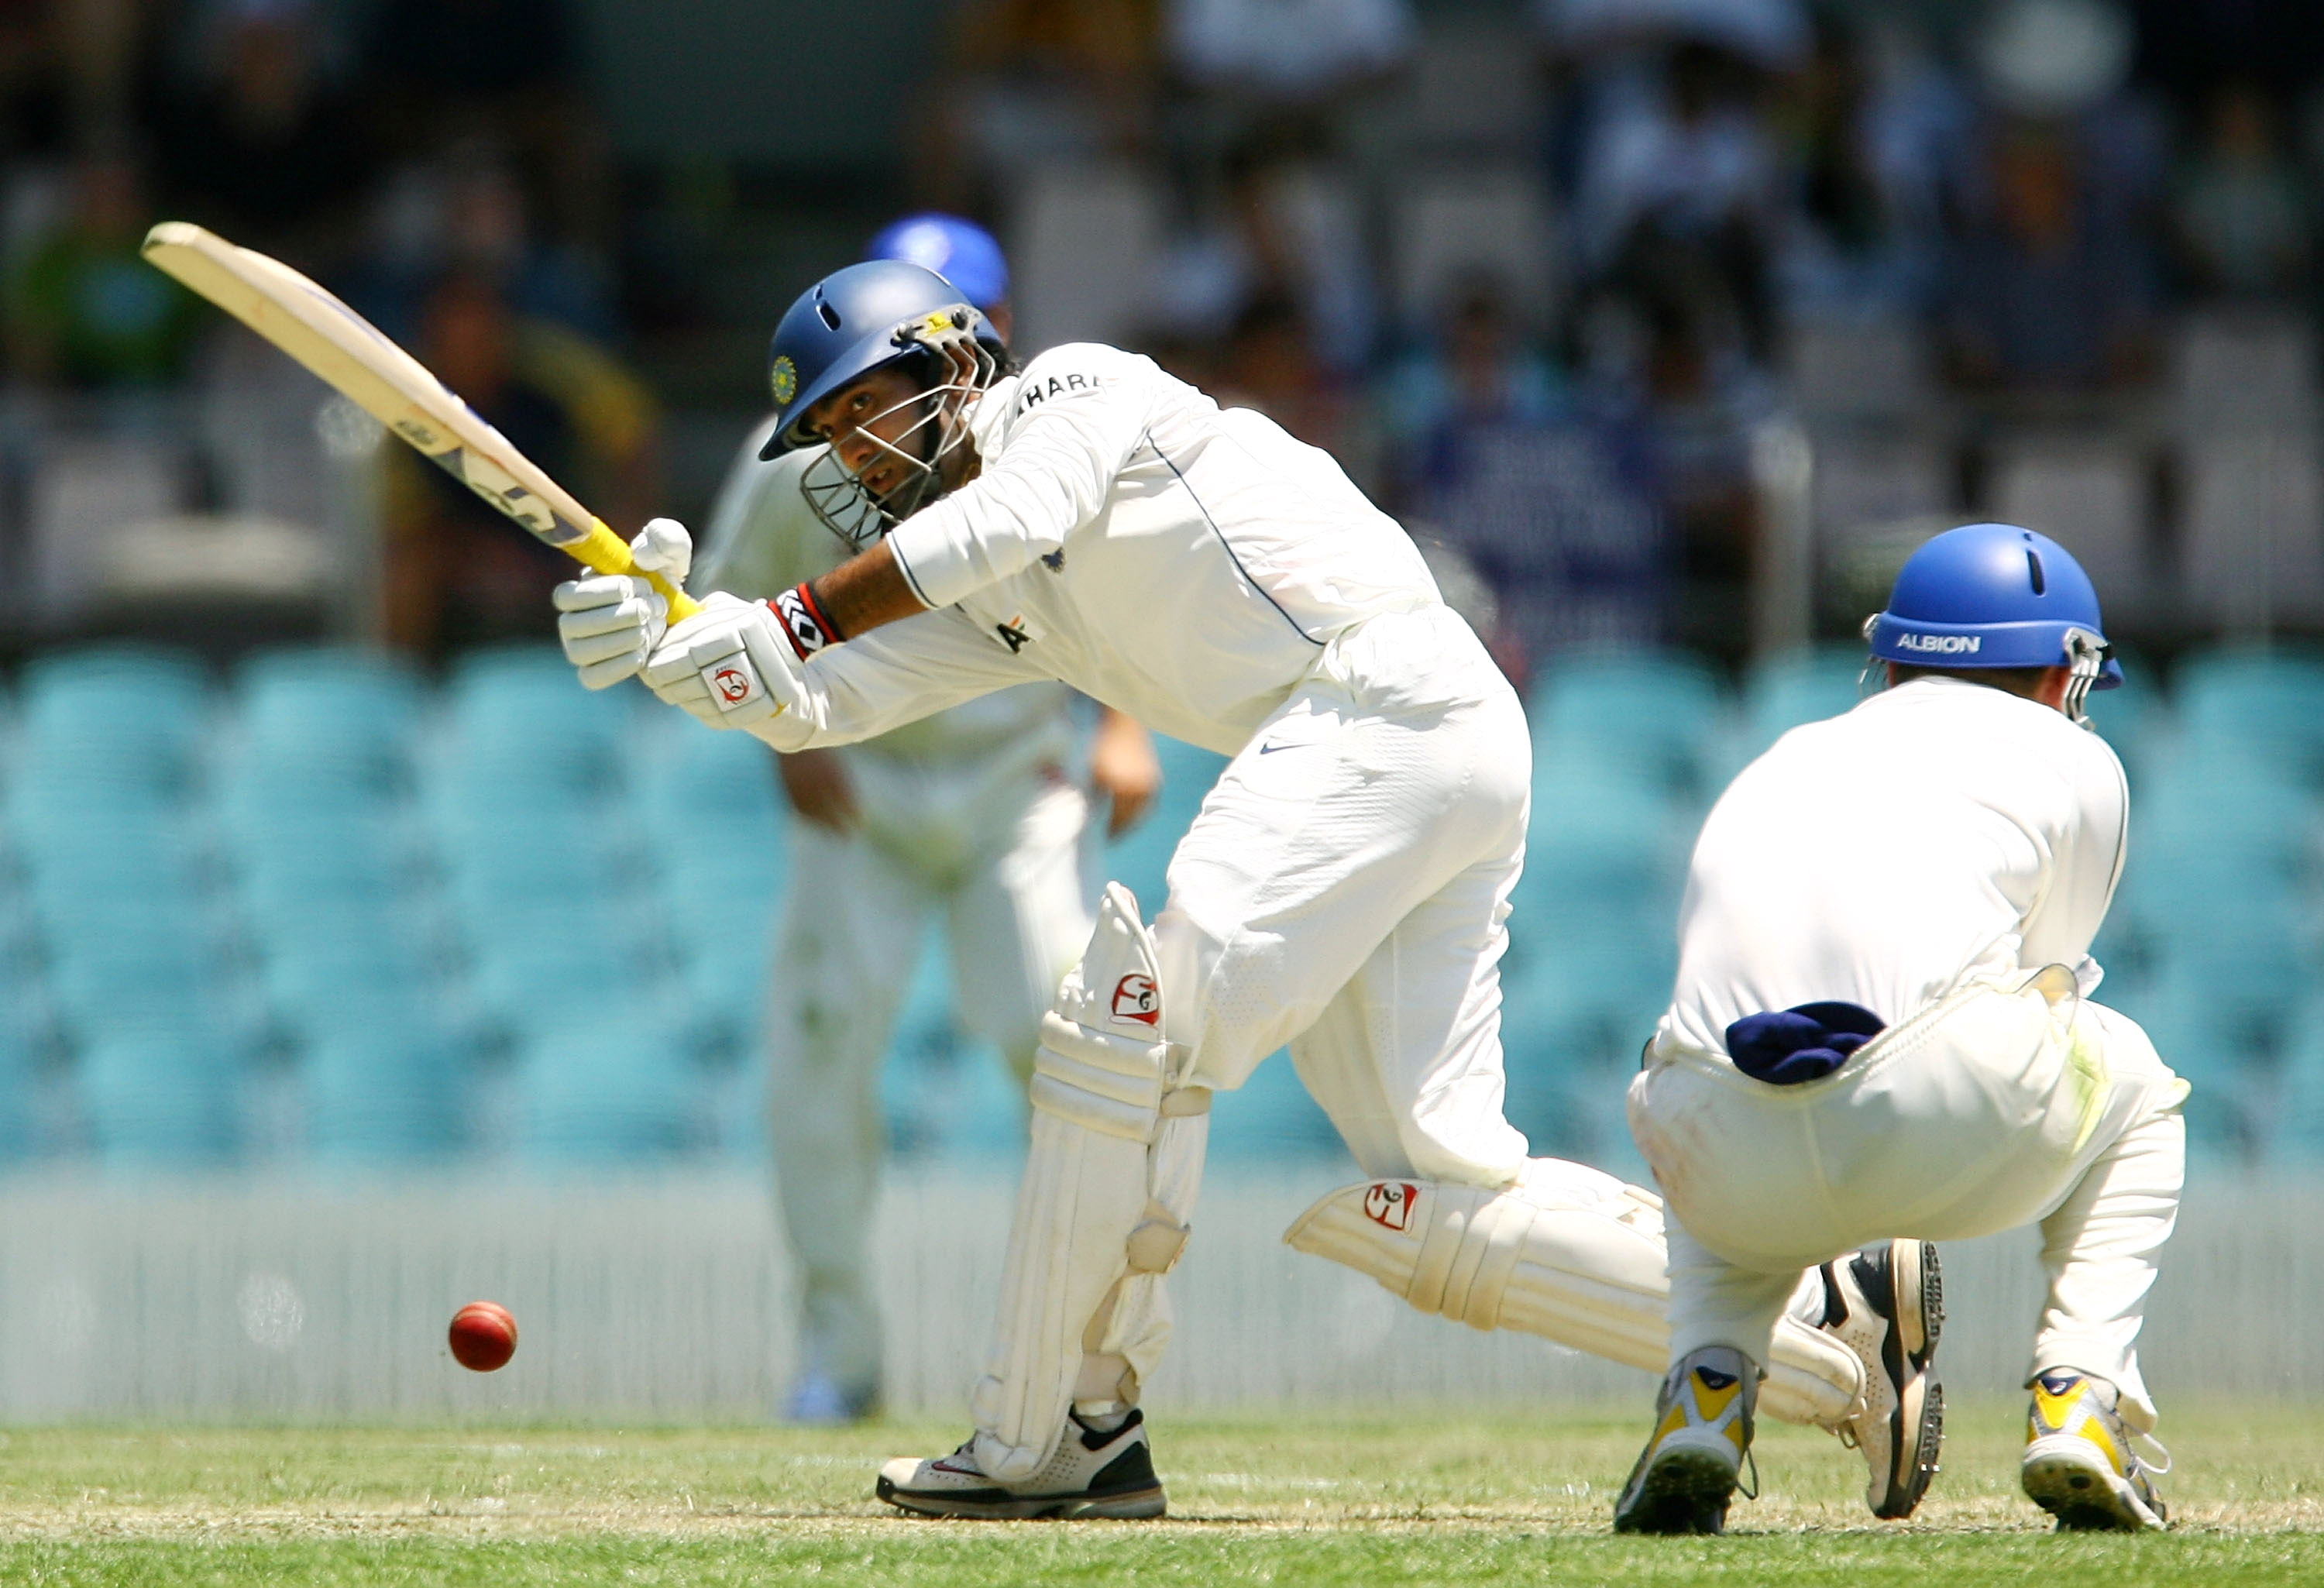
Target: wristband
[[803, 622]]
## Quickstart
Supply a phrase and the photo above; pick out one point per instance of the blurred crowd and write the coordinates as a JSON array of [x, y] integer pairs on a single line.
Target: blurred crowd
[[438, 162], [1536, 272]]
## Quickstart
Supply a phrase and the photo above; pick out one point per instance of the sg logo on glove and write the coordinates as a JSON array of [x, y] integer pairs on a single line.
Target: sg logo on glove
[[734, 683]]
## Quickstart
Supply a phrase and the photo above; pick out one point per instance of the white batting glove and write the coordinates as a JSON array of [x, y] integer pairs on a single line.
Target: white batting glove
[[609, 623], [730, 666], [663, 547]]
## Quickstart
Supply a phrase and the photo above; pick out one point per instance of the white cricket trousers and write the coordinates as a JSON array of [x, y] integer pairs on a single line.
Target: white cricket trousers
[[1994, 1107], [1344, 891], [997, 850]]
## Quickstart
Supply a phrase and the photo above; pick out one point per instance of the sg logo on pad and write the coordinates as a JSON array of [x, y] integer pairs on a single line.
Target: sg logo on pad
[[1389, 1204], [1134, 998]]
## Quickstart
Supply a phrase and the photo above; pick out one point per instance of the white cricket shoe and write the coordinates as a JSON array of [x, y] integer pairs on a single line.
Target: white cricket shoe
[[1691, 1466], [2079, 1463], [1887, 1304], [1095, 1473]]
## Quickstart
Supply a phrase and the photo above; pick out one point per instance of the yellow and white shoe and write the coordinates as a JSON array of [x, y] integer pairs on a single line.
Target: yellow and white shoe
[[2079, 1463], [1691, 1467]]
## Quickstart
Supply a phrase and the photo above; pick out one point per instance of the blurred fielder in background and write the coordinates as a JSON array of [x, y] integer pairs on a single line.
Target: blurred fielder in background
[[1883, 1027], [968, 812], [1343, 888]]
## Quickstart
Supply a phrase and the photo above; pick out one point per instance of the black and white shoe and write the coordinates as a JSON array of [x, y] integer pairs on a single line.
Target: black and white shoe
[[1887, 1304], [1095, 1473]]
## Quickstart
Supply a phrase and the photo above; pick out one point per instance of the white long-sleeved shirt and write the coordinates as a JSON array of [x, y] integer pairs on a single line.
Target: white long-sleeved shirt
[[1180, 562], [763, 538], [1941, 833]]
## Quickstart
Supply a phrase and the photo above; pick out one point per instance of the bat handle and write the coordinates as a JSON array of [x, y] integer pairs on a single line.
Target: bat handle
[[608, 553]]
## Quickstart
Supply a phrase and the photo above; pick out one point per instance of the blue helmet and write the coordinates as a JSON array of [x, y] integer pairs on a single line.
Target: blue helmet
[[856, 319], [1994, 595], [961, 252]]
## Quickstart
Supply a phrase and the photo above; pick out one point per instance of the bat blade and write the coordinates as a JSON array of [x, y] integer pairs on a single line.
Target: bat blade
[[347, 353]]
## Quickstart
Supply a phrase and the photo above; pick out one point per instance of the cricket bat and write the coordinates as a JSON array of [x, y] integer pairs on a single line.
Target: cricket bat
[[349, 354]]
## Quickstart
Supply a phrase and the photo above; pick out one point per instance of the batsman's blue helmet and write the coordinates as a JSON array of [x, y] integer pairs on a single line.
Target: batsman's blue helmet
[[1990, 596], [852, 322], [961, 252]]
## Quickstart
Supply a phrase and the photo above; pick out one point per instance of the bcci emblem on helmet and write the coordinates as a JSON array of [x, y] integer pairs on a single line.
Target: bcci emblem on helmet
[[782, 380]]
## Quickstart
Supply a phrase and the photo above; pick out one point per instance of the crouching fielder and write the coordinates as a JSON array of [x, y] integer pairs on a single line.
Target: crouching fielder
[[1095, 521], [1882, 1028]]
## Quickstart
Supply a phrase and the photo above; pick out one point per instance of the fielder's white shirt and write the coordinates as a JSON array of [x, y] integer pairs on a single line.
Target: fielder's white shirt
[[763, 538], [1940, 833], [1183, 563]]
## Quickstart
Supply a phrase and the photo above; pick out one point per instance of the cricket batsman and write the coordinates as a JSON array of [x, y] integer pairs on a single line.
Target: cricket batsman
[[1092, 519], [1883, 1028], [967, 813]]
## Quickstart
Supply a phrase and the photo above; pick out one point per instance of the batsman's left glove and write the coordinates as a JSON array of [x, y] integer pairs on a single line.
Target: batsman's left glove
[[732, 666]]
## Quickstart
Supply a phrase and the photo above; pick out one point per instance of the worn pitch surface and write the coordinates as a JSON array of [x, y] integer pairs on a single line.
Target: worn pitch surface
[[1446, 1499]]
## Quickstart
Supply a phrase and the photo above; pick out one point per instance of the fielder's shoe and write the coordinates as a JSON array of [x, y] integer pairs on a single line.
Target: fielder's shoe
[[1887, 1304], [1095, 1473], [819, 1401], [1702, 1431], [2079, 1464]]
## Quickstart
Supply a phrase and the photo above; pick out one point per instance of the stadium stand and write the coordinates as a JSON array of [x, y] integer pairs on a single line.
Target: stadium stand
[[325, 870]]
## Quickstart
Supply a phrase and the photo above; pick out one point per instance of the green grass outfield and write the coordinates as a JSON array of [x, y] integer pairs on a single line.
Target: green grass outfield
[[1301, 1498]]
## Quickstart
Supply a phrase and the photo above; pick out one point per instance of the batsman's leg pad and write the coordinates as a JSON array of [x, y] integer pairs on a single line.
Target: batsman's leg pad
[[1577, 1258], [1109, 1180], [1569, 1253]]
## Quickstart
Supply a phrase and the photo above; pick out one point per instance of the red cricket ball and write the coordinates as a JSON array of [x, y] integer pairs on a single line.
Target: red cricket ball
[[483, 1337]]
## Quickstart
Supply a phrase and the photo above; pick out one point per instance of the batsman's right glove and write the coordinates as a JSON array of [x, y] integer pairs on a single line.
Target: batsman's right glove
[[609, 623]]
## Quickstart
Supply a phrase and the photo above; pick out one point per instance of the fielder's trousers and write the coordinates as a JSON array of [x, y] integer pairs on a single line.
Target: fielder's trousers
[[1996, 1106]]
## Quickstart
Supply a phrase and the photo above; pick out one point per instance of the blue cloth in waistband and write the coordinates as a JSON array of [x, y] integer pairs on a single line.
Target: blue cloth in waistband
[[1805, 1043]]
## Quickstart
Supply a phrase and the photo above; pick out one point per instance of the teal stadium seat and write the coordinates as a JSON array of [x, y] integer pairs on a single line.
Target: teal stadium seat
[[1272, 1120], [1798, 687], [329, 723], [2211, 942], [389, 1093], [606, 1091], [20, 1077], [525, 795], [518, 721], [933, 1090], [2271, 703], [714, 827], [1656, 715], [1593, 949], [2296, 1111], [2134, 718], [365, 971], [162, 1099], [117, 716], [1139, 859]]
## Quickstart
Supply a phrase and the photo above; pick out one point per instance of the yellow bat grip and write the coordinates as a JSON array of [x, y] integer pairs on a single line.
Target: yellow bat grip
[[608, 553]]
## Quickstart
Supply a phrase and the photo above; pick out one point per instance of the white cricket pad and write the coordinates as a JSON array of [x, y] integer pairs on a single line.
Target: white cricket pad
[[1101, 1211], [1569, 1253]]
